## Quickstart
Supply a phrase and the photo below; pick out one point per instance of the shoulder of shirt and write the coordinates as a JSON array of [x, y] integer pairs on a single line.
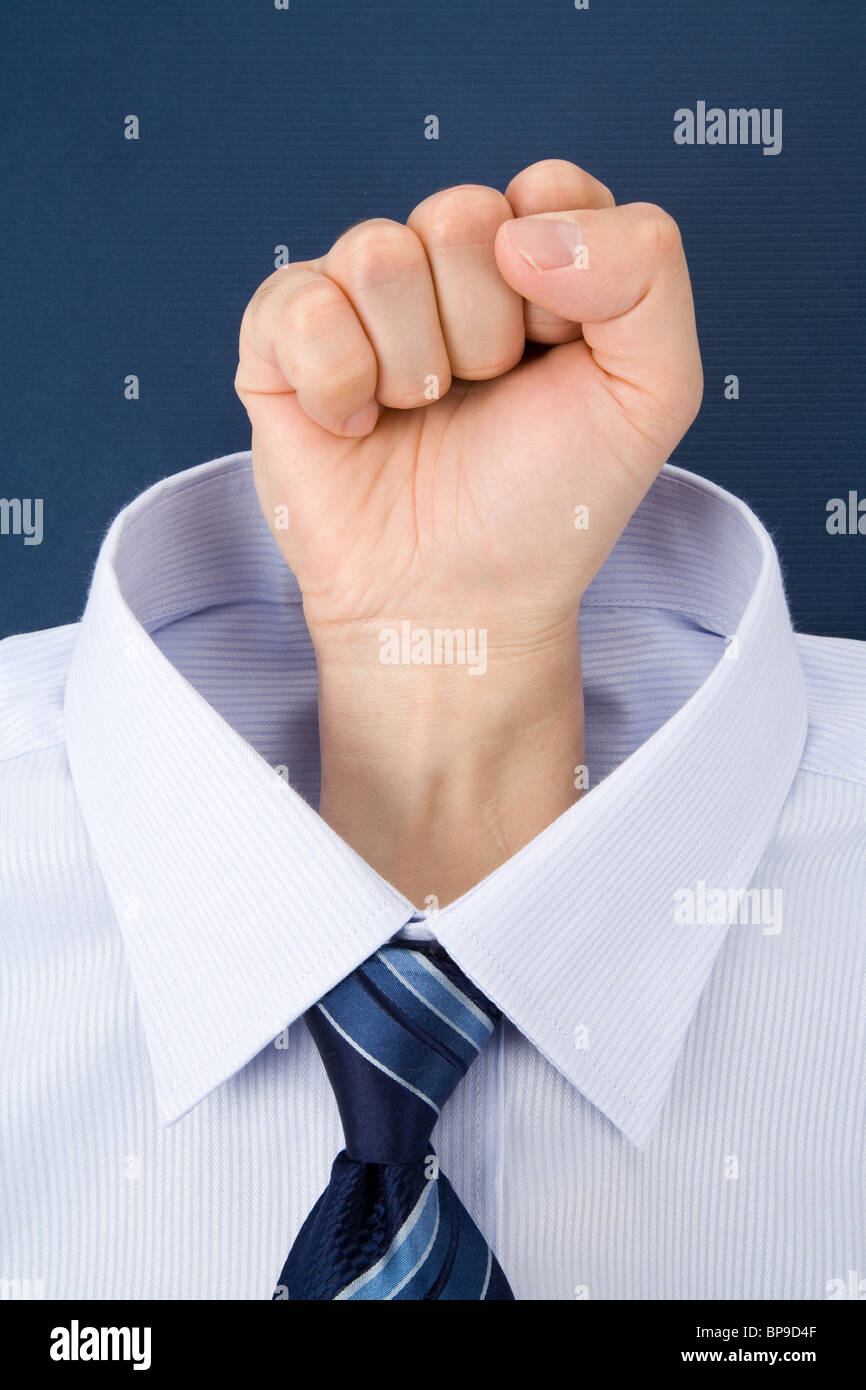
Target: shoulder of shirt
[[835, 673], [32, 682]]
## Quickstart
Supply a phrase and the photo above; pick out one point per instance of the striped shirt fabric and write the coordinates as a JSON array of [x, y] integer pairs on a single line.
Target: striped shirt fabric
[[673, 1104]]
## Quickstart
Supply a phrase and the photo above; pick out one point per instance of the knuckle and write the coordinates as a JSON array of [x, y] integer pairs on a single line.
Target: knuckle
[[466, 213], [378, 252], [559, 171], [552, 185], [558, 184], [269, 290], [312, 310]]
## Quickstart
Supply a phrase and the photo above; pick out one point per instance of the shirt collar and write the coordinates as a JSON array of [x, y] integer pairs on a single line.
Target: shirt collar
[[240, 907]]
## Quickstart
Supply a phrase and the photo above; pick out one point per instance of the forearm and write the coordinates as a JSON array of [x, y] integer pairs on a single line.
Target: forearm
[[435, 776]]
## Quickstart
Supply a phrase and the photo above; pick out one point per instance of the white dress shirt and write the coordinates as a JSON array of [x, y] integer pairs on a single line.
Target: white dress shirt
[[674, 1103]]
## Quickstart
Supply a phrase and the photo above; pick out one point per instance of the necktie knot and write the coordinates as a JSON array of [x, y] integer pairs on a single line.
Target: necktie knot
[[396, 1036]]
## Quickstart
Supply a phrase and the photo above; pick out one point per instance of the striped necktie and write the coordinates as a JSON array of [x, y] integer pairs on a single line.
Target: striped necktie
[[396, 1036]]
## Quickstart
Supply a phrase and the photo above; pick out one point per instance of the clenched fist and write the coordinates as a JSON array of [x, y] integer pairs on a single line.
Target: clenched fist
[[431, 466], [462, 506]]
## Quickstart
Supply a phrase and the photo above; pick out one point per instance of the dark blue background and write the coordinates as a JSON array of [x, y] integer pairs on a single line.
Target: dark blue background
[[261, 127]]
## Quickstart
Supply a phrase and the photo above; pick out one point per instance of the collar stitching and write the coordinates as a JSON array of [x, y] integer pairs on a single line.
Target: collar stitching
[[591, 1066], [177, 1079]]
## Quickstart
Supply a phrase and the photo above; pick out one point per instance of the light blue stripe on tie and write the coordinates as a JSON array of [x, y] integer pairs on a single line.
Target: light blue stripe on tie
[[369, 1026], [376, 1063], [405, 1255], [486, 1283], [428, 1273], [435, 987], [388, 978]]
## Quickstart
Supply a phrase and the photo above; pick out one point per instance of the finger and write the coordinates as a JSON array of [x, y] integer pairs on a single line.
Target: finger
[[300, 333], [382, 268], [481, 316], [553, 185], [621, 272]]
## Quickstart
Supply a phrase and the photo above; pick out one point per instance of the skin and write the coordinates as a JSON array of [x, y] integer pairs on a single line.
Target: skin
[[459, 511]]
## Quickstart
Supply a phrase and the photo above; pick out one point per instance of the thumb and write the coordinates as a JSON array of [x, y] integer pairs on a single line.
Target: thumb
[[621, 273]]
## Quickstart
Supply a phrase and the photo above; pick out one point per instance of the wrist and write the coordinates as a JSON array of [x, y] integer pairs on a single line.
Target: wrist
[[443, 755]]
